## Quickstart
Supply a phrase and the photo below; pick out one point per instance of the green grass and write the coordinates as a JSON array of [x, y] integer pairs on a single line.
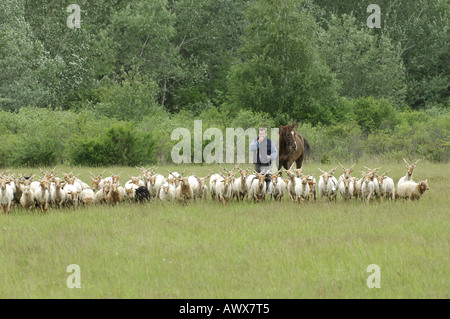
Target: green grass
[[243, 250]]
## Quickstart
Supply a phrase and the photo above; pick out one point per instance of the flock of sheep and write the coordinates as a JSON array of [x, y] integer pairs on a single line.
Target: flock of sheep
[[70, 191]]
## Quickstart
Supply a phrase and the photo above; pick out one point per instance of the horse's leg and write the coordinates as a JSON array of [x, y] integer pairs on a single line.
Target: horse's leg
[[299, 161], [288, 163]]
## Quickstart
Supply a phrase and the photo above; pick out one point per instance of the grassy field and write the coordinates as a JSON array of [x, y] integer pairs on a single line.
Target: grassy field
[[243, 250]]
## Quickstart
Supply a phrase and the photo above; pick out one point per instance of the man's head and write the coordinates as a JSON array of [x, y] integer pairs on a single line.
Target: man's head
[[262, 133]]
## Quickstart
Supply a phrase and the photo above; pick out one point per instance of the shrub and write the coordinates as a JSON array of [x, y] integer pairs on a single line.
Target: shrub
[[119, 145]]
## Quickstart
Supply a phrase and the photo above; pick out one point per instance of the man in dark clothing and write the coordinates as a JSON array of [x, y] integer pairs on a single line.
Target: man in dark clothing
[[265, 152]]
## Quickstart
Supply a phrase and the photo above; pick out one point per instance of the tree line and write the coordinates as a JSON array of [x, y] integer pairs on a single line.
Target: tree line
[[314, 62]]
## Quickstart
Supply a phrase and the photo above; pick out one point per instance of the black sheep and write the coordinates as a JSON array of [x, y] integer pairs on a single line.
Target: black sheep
[[142, 194]]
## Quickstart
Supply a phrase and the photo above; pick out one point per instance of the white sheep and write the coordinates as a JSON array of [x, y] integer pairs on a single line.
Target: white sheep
[[42, 195], [302, 189], [167, 193], [409, 172], [346, 173], [346, 188], [184, 192], [6, 196], [291, 184], [258, 188], [277, 188], [312, 186], [240, 189], [412, 190], [100, 196], [27, 198], [328, 185], [224, 189], [212, 184], [71, 195], [87, 197], [367, 188], [57, 194], [386, 186], [195, 186], [155, 182]]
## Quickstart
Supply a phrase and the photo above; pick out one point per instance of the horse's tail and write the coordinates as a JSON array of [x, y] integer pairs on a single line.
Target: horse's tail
[[306, 147]]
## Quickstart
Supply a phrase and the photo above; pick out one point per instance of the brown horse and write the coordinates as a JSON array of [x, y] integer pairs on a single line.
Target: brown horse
[[293, 147]]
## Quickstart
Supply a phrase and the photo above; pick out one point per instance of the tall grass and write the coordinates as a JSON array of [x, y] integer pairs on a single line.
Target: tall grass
[[243, 250]]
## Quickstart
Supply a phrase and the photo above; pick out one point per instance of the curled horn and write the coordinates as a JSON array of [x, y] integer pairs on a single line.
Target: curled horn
[[384, 174], [352, 166], [405, 161], [416, 162], [366, 168], [321, 170], [342, 166], [92, 175]]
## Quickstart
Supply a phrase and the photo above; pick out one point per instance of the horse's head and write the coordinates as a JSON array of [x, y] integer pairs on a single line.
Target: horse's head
[[287, 134]]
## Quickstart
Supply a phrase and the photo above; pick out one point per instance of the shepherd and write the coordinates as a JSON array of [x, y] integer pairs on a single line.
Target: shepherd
[[293, 147], [265, 152]]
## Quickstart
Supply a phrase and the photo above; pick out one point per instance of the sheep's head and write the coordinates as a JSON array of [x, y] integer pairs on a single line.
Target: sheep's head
[[165, 188], [290, 174], [367, 178], [327, 175], [73, 195], [58, 182], [372, 172], [115, 178], [96, 183], [3, 183], [410, 168], [304, 179], [202, 180], [274, 179], [312, 184], [106, 187], [380, 178], [346, 182], [27, 190], [135, 180], [230, 173], [347, 171], [423, 186], [244, 173], [261, 179], [298, 172], [227, 180], [171, 180], [184, 182], [45, 184], [152, 180]]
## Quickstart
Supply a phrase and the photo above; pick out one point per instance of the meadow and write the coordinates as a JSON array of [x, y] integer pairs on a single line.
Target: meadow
[[243, 250]]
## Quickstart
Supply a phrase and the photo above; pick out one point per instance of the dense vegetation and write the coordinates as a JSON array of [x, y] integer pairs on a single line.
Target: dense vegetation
[[112, 91]]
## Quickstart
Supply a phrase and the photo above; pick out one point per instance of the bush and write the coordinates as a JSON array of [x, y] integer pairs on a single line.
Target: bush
[[119, 145], [372, 115]]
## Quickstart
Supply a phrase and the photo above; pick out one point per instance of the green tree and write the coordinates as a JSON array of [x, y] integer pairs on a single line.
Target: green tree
[[280, 70], [365, 63], [142, 33]]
